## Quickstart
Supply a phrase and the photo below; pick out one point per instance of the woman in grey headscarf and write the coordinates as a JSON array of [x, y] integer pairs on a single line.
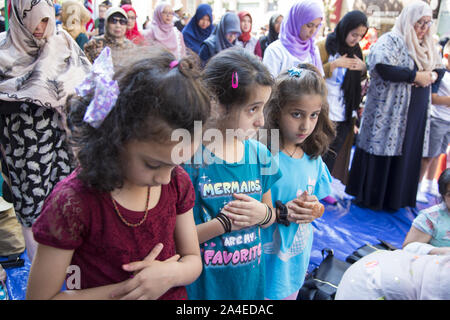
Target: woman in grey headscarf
[[40, 66], [223, 37]]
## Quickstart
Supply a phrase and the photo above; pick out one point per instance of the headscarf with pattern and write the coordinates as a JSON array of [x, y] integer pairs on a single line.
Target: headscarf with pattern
[[39, 71]]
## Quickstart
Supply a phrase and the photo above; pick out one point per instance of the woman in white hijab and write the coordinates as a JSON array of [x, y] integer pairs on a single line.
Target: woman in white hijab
[[402, 64], [40, 66]]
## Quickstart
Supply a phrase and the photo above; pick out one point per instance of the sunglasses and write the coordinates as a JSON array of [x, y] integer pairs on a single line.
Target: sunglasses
[[115, 20]]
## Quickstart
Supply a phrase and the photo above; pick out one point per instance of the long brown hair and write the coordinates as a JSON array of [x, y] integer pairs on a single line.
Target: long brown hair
[[290, 89]]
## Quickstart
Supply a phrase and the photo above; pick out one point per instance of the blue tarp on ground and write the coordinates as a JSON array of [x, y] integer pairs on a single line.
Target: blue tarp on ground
[[343, 227], [16, 279]]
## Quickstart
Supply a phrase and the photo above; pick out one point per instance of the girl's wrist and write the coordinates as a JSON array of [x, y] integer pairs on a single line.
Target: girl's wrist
[[434, 76], [268, 216], [225, 222], [282, 215], [171, 275], [333, 65], [178, 276]]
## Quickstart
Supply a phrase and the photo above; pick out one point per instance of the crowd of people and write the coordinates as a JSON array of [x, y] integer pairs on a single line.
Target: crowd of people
[[97, 180]]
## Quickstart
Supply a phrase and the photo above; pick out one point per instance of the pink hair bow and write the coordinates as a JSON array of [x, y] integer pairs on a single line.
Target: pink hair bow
[[106, 90]]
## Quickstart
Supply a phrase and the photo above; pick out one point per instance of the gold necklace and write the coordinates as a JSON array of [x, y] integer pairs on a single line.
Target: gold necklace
[[133, 225]]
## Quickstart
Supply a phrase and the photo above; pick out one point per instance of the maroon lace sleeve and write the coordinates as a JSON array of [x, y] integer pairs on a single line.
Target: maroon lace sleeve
[[63, 220], [186, 193]]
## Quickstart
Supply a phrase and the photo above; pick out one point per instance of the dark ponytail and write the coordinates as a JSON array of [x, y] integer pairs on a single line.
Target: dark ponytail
[[221, 70], [154, 100]]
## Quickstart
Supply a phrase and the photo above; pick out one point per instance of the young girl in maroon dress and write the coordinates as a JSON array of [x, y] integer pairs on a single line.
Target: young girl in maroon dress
[[122, 222]]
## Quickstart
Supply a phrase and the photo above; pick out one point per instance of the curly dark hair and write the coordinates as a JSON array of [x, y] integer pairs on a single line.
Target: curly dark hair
[[153, 101], [289, 89], [218, 76]]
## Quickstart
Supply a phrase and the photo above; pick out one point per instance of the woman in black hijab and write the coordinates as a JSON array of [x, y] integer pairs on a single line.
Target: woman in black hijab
[[274, 30], [344, 69]]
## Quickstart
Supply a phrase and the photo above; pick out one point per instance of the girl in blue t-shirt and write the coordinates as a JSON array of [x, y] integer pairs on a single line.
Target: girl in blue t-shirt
[[298, 108]]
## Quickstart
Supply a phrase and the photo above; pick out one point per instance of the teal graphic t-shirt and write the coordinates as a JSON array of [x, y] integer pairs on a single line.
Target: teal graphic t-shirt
[[233, 267], [287, 249]]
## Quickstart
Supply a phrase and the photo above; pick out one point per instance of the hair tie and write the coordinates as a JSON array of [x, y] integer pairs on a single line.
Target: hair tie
[[173, 64], [295, 72], [100, 83]]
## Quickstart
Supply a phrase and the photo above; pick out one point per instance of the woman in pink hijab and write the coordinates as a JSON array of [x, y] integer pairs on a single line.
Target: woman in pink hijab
[[163, 32]]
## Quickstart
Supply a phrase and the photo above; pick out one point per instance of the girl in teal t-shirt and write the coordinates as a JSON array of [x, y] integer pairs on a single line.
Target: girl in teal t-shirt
[[299, 109], [232, 176]]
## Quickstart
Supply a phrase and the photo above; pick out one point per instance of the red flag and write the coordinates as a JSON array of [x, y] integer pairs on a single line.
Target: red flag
[[91, 24]]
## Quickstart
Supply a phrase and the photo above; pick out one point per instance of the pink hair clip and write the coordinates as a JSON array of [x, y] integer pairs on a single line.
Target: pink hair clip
[[173, 64], [234, 80]]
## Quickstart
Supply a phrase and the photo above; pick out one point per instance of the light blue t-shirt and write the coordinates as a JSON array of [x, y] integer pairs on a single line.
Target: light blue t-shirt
[[232, 263], [287, 249], [435, 221]]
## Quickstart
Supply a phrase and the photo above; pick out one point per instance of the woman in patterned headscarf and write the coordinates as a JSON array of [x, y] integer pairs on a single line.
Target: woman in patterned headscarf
[[39, 67], [114, 37], [403, 64]]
